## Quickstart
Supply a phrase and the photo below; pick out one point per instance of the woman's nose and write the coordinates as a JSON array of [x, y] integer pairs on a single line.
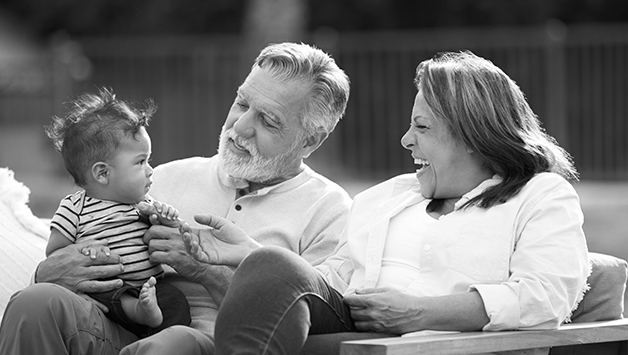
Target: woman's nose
[[406, 140]]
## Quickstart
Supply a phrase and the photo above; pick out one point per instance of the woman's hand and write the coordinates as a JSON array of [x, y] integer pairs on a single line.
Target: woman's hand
[[386, 310], [80, 273], [383, 310], [223, 244]]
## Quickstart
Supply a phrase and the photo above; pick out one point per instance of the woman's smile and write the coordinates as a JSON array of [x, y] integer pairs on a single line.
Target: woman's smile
[[422, 165]]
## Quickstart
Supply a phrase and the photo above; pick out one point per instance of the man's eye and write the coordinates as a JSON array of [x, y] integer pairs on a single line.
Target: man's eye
[[268, 122], [242, 105]]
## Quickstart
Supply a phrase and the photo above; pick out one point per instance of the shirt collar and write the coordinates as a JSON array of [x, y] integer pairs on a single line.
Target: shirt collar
[[494, 180], [235, 183]]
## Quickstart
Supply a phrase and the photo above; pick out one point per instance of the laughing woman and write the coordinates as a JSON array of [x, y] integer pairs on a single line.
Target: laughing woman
[[487, 235]]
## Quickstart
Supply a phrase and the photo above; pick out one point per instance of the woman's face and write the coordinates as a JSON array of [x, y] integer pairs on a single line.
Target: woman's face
[[446, 168]]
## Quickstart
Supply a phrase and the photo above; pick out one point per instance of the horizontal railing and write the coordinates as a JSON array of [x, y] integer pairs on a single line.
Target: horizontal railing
[[575, 78]]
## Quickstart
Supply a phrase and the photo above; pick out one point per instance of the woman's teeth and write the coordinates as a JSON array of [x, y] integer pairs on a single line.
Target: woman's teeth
[[421, 164]]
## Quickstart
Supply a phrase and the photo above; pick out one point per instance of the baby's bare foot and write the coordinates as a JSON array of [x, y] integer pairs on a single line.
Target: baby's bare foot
[[147, 309]]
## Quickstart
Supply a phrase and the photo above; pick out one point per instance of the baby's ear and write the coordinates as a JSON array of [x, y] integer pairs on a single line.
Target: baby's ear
[[100, 172]]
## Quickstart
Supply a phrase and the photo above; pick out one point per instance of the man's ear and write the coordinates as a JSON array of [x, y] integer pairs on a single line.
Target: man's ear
[[313, 142], [100, 172]]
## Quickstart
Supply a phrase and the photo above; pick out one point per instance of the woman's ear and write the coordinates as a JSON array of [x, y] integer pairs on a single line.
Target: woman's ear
[[100, 172], [313, 142]]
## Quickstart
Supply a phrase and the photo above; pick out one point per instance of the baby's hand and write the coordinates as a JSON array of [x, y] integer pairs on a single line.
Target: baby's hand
[[166, 212], [160, 213], [93, 251]]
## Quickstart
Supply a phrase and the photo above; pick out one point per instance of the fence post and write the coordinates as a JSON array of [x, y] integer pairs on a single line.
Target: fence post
[[555, 34]]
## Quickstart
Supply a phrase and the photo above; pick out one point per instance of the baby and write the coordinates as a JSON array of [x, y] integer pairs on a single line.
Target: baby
[[106, 149]]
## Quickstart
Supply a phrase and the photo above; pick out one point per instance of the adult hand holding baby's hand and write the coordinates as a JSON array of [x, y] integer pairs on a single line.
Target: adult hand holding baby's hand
[[80, 273], [223, 244], [160, 213]]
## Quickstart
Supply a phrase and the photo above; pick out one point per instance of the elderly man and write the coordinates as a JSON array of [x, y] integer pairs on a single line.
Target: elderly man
[[287, 106]]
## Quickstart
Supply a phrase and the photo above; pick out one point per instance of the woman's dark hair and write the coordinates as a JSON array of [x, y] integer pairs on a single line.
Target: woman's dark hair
[[486, 111]]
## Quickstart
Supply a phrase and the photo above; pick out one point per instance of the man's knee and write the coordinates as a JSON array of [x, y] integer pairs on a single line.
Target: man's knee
[[177, 339], [38, 299], [271, 258]]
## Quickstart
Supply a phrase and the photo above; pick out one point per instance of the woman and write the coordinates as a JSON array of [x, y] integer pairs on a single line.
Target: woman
[[487, 235]]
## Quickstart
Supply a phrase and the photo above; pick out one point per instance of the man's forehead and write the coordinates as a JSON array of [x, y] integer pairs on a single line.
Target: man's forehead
[[279, 96]]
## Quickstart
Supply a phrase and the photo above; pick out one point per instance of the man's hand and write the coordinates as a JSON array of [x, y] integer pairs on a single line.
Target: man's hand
[[165, 246], [78, 272], [223, 244]]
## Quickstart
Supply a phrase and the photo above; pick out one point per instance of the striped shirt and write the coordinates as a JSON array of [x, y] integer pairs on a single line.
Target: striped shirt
[[82, 219]]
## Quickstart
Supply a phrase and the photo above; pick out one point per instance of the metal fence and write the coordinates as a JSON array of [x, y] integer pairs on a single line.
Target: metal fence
[[575, 78]]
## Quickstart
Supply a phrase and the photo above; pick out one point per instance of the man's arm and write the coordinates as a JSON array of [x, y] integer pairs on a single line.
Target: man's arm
[[80, 273], [165, 246]]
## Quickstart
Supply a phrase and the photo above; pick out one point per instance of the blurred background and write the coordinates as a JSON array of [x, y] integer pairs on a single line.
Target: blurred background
[[569, 56]]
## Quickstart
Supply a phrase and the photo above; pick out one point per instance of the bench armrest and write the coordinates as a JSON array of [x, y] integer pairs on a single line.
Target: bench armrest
[[482, 342]]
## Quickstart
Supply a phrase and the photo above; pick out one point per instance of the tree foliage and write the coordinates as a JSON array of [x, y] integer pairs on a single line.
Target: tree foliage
[[170, 17]]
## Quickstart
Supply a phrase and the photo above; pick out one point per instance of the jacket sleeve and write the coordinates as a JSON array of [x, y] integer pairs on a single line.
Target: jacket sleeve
[[549, 264]]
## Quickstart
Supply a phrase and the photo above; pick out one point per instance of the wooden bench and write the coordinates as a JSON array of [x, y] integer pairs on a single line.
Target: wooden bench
[[483, 342], [598, 328]]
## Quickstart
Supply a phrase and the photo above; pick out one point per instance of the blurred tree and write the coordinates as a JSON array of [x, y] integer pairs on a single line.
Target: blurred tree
[[139, 17], [268, 21], [351, 15]]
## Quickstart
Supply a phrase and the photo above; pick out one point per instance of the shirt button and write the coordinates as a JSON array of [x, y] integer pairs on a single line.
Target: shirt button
[[238, 207], [427, 247]]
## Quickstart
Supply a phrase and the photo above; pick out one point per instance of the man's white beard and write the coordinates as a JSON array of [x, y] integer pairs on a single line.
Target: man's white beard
[[255, 168]]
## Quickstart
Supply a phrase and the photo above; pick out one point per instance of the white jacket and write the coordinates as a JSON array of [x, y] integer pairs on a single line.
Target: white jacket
[[527, 257]]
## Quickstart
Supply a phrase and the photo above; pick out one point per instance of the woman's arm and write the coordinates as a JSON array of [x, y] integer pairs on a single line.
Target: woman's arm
[[549, 265], [387, 310]]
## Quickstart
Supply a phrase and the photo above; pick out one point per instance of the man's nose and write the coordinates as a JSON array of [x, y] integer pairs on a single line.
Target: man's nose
[[243, 125]]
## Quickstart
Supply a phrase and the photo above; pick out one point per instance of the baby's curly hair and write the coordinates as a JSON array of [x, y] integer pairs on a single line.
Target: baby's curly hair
[[93, 130]]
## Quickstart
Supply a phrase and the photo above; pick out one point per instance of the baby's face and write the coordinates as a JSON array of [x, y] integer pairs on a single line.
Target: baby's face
[[130, 172]]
